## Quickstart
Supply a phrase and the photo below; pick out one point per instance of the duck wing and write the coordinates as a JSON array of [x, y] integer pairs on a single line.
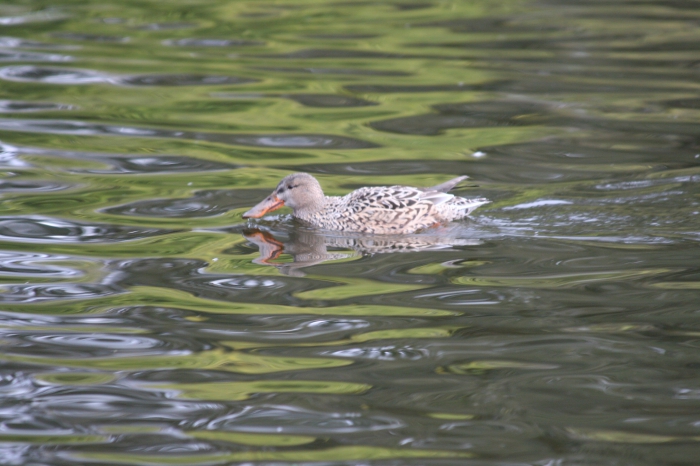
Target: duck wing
[[390, 209], [393, 198]]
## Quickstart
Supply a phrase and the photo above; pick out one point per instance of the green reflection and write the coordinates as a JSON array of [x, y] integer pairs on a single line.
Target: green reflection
[[618, 436], [237, 391], [408, 333], [75, 378], [482, 367], [259, 440], [355, 287], [238, 362], [170, 298], [560, 280], [349, 453]]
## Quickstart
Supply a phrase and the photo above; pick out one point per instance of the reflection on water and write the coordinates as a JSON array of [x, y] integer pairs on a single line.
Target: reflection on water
[[145, 322], [308, 247]]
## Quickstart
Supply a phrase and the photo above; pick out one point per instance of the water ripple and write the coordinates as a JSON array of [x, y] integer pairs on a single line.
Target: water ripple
[[53, 75], [154, 164], [465, 115], [53, 230], [305, 330], [201, 204], [182, 80], [78, 77], [381, 353], [107, 404], [307, 100], [197, 42], [52, 293], [119, 163], [14, 186], [17, 42], [17, 106], [166, 26], [343, 54], [298, 421], [106, 343], [31, 321], [6, 56], [290, 141], [39, 16], [90, 37], [305, 141], [328, 100], [187, 275], [380, 168], [333, 71], [35, 265]]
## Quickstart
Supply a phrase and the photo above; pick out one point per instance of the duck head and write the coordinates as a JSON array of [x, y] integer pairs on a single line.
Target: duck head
[[299, 191]]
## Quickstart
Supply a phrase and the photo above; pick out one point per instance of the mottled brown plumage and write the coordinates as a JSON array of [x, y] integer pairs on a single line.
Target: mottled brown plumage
[[378, 210]]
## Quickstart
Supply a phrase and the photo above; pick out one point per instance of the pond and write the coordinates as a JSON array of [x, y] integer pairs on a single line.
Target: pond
[[144, 321]]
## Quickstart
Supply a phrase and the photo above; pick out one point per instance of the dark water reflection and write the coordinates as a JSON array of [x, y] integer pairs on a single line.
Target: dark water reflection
[[144, 322]]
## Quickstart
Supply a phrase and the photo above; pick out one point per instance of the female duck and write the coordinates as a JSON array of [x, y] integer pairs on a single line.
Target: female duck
[[378, 210]]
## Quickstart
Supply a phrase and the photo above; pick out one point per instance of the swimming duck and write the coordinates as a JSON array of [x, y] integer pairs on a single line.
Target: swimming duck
[[377, 210]]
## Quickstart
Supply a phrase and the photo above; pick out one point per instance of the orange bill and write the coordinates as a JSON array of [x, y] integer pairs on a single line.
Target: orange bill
[[269, 204]]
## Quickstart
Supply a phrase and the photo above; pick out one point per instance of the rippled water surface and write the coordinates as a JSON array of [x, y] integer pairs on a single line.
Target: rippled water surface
[[144, 322]]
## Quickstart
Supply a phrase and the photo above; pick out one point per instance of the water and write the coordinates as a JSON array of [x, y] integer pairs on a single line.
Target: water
[[144, 322]]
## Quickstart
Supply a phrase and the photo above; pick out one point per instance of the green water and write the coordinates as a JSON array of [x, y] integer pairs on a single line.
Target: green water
[[145, 322]]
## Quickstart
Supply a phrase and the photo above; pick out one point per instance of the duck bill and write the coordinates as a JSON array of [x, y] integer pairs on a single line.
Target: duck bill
[[271, 203]]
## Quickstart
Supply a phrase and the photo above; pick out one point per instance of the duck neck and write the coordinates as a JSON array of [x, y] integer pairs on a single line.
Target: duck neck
[[311, 210]]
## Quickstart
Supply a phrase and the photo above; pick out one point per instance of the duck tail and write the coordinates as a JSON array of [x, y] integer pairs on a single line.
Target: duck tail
[[472, 204], [447, 185]]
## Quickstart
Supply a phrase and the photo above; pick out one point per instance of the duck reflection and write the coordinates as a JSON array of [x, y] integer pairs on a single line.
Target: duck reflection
[[309, 247]]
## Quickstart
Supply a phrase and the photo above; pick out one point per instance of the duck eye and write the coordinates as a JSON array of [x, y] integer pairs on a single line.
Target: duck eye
[[290, 186]]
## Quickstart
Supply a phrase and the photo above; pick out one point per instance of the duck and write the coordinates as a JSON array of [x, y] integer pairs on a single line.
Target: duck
[[373, 210]]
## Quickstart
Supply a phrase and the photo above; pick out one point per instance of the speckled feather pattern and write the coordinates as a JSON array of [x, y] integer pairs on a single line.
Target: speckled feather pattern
[[389, 210], [376, 210]]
